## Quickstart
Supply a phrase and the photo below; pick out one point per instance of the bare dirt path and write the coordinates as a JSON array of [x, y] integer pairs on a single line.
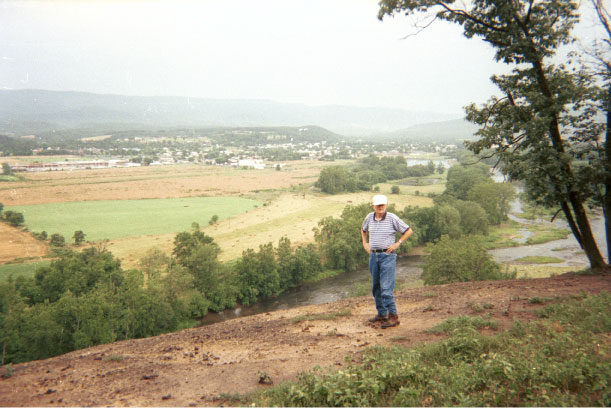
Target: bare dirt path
[[196, 366]]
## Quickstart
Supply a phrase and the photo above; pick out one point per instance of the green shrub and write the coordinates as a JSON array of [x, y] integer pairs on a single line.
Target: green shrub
[[460, 261]]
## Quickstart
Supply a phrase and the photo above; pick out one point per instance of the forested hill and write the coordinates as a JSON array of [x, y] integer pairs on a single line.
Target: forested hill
[[447, 132], [31, 111]]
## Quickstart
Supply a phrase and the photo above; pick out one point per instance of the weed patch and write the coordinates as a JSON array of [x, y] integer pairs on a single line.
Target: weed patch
[[461, 322], [321, 316], [560, 360]]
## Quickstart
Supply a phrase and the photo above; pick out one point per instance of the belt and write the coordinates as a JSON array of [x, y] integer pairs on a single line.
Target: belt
[[379, 250]]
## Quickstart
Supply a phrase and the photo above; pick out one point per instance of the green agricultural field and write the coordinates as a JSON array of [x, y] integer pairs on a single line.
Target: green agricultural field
[[130, 218], [21, 269]]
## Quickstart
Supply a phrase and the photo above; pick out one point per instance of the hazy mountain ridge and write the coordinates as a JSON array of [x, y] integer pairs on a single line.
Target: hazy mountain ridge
[[447, 132], [30, 111]]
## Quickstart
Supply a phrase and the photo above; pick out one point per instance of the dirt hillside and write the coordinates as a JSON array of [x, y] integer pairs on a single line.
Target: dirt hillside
[[195, 367]]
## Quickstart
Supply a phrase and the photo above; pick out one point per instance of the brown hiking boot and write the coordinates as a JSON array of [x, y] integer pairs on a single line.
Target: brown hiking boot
[[393, 320], [378, 318]]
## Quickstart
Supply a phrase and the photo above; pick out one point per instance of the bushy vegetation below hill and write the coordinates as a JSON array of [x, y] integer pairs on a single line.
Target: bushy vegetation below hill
[[85, 298], [560, 360]]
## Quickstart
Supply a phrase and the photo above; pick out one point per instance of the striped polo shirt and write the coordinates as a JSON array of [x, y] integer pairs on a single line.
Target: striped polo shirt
[[382, 232]]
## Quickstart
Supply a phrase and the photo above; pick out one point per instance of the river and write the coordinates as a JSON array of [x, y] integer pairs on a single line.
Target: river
[[328, 290]]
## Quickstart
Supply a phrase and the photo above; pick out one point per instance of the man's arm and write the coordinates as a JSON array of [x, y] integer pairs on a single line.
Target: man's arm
[[408, 233], [365, 243]]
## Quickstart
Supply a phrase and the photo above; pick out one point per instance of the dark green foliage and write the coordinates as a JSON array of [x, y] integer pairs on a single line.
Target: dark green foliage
[[459, 261], [560, 363], [77, 272], [186, 242], [431, 223], [461, 179], [258, 274], [335, 179], [6, 169], [79, 237], [13, 217], [57, 240], [494, 198], [296, 265], [40, 235], [13, 146], [473, 218], [339, 240]]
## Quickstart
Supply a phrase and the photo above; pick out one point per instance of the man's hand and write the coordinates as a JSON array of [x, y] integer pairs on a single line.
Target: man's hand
[[366, 246], [393, 247]]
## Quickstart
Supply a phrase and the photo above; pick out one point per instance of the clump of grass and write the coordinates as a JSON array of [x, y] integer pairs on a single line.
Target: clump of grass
[[561, 360], [114, 357], [536, 300], [539, 259], [543, 236], [461, 322], [321, 316], [236, 399], [480, 307]]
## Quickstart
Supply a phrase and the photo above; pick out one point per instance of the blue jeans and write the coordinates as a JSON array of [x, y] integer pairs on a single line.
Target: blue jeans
[[383, 268]]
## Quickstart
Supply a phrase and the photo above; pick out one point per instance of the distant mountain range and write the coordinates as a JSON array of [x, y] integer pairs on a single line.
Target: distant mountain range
[[31, 111]]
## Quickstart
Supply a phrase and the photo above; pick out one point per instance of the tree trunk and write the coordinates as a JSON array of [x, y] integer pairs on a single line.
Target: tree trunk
[[607, 197], [569, 218], [589, 243], [581, 218]]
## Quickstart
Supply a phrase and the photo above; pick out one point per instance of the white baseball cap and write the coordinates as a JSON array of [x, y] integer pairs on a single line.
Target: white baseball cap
[[380, 199]]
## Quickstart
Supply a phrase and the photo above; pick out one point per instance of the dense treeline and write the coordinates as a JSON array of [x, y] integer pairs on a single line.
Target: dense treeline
[[11, 146], [85, 298], [369, 171]]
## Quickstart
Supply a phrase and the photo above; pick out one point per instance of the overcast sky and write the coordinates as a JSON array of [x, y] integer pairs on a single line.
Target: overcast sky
[[316, 52]]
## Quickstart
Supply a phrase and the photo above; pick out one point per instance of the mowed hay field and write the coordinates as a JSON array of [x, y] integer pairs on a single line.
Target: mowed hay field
[[152, 182], [280, 211]]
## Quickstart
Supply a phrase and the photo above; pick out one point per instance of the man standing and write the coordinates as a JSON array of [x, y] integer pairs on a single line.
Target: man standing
[[382, 227]]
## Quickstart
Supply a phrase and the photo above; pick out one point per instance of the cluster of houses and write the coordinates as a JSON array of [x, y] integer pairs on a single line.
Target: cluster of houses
[[72, 165], [116, 163]]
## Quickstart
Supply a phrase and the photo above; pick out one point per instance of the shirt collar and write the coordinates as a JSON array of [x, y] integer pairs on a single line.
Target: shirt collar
[[381, 219]]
